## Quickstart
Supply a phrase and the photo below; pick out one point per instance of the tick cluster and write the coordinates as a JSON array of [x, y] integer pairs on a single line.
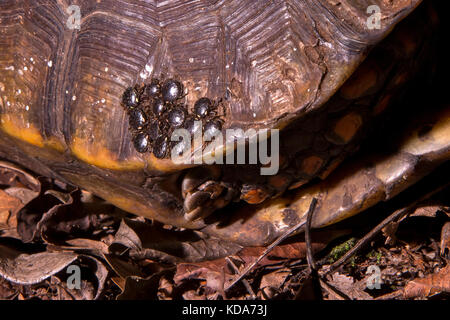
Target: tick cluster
[[155, 110]]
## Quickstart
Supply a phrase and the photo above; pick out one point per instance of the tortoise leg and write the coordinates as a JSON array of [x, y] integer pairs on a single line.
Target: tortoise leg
[[204, 192], [209, 188]]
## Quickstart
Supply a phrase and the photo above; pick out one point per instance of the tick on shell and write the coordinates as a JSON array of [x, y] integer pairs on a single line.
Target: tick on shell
[[158, 106], [172, 90], [176, 116], [137, 119], [130, 98], [212, 128], [154, 113], [141, 142], [160, 147], [202, 107], [153, 89], [193, 125]]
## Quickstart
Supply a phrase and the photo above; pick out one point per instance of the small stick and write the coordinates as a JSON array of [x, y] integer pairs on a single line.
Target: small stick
[[244, 281], [313, 274], [280, 239], [309, 254]]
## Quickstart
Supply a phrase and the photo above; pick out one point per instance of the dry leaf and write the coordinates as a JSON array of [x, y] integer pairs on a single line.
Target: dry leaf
[[9, 206], [165, 289], [428, 286], [7, 290], [23, 268], [14, 176], [445, 240], [353, 289], [271, 282], [215, 272], [147, 241], [430, 211]]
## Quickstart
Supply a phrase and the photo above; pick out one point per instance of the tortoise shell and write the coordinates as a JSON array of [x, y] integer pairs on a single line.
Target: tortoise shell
[[65, 72], [72, 80]]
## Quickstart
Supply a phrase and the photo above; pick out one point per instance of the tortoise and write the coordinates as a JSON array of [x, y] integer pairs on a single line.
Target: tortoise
[[91, 92]]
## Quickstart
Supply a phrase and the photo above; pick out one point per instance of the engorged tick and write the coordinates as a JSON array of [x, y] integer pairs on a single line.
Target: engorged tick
[[153, 89], [154, 112], [130, 98], [158, 106], [160, 147], [141, 142], [192, 125], [172, 90], [202, 107], [177, 116], [137, 119], [212, 128]]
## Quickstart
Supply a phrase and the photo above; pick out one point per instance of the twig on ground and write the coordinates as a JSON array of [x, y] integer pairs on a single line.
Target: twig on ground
[[309, 253], [312, 274], [244, 281], [280, 239]]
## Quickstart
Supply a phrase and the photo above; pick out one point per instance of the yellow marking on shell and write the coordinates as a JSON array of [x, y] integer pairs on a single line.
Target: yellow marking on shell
[[274, 213], [55, 144], [165, 165], [97, 155], [16, 128]]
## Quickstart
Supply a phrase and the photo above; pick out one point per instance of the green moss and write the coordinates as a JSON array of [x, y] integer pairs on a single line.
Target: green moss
[[341, 249], [375, 255]]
